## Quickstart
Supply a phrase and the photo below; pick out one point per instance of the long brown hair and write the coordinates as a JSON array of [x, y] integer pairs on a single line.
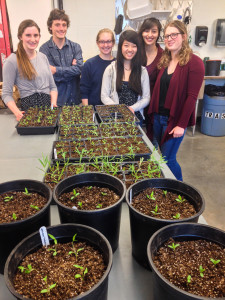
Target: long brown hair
[[185, 51], [25, 67]]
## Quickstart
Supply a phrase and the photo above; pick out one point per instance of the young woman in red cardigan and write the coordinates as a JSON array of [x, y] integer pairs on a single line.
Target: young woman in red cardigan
[[172, 107]]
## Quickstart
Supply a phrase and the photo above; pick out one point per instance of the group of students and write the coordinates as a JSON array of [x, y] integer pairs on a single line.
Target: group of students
[[160, 86]]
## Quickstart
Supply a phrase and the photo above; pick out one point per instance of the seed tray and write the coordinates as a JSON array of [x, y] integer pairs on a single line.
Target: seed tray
[[70, 132], [79, 115], [115, 113], [29, 125], [114, 148], [119, 129]]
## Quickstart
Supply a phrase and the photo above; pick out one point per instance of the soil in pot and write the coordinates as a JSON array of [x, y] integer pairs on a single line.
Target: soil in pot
[[60, 271], [18, 205], [89, 198], [163, 204], [195, 266]]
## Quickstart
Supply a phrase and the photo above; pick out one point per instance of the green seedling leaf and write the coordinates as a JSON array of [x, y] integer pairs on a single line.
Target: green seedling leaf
[[29, 269], [74, 237], [34, 207], [8, 198], [177, 216], [201, 270], [78, 267], [179, 199], [99, 205], [26, 192], [48, 290], [215, 262], [21, 269], [52, 237], [14, 216], [45, 279], [165, 192], [77, 276], [189, 279], [155, 211], [173, 246], [89, 187], [54, 251], [80, 204], [75, 194], [103, 194]]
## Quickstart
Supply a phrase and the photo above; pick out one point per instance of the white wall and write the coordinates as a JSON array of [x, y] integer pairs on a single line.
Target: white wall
[[37, 10], [89, 16], [205, 12]]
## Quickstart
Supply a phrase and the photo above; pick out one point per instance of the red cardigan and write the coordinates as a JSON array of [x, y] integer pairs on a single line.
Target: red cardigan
[[181, 96]]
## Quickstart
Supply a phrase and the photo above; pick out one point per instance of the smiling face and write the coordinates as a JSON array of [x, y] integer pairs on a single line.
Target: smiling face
[[105, 43], [59, 29], [30, 38], [173, 44], [129, 50], [150, 36]]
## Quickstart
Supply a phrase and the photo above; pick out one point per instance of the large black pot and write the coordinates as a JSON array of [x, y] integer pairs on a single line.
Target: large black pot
[[162, 288], [12, 233], [63, 233], [106, 220], [143, 226]]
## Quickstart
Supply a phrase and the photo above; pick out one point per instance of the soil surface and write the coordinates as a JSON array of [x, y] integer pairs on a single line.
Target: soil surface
[[89, 198], [18, 205], [163, 204], [190, 266], [53, 276]]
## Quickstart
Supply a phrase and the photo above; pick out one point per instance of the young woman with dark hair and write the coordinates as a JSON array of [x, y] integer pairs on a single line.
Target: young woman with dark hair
[[29, 71], [125, 81], [172, 106]]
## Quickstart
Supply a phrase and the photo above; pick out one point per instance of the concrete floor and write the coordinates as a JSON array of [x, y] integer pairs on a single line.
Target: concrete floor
[[202, 159]]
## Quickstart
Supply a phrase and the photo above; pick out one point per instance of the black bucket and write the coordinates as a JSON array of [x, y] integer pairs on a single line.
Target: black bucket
[[212, 67], [63, 233], [12, 233], [143, 226], [162, 288], [106, 220]]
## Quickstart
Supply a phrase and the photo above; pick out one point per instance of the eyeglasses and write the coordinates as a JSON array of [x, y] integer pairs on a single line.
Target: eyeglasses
[[105, 42], [172, 35]]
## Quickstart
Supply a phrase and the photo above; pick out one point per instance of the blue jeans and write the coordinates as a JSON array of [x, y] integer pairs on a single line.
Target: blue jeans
[[168, 149]]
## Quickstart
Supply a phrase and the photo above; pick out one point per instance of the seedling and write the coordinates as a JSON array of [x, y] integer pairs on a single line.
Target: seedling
[[52, 237], [177, 216], [81, 275], [89, 187], [201, 270], [80, 204], [75, 194], [99, 205], [27, 270], [180, 199], [103, 194], [173, 246], [155, 211], [49, 288], [165, 192], [75, 252], [54, 251], [215, 262], [152, 196], [14, 216], [188, 279], [8, 198], [26, 192], [34, 207]]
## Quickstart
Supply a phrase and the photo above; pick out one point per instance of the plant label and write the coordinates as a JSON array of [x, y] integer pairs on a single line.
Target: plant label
[[74, 207], [44, 236], [55, 153], [130, 195]]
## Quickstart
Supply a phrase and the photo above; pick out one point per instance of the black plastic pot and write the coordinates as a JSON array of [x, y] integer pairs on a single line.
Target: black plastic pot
[[12, 233], [63, 233], [143, 226], [106, 220], [162, 288]]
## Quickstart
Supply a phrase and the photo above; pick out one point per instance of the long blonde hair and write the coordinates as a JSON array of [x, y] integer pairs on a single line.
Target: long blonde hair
[[185, 51], [25, 67]]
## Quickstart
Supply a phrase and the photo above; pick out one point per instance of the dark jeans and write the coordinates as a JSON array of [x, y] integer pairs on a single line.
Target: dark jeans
[[168, 149]]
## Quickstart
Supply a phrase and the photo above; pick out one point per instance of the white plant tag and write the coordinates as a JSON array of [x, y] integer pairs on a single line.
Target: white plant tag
[[74, 207], [130, 195], [55, 153], [115, 116], [51, 106], [44, 236], [93, 117]]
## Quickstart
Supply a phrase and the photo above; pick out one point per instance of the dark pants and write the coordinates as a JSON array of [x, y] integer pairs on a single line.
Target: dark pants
[[168, 149]]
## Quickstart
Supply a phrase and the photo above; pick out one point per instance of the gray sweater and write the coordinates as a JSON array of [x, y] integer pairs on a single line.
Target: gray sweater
[[43, 82]]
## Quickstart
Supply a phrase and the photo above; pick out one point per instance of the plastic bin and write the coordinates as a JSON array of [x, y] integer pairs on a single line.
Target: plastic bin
[[213, 116]]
